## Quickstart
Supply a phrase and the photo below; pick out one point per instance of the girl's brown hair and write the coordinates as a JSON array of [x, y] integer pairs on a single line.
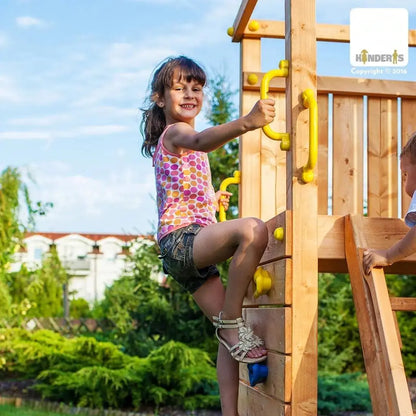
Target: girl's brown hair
[[409, 149], [153, 119]]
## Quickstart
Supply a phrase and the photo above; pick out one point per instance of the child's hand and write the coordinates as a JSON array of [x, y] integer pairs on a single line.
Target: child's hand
[[373, 258], [223, 198], [261, 114]]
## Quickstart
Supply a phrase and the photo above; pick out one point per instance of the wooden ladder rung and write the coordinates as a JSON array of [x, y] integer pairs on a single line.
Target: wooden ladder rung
[[403, 304]]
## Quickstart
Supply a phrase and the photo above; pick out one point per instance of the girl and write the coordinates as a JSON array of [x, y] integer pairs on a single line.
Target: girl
[[190, 239]]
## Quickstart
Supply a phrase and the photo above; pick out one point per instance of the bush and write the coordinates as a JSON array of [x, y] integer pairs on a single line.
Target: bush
[[89, 373], [79, 308], [340, 393]]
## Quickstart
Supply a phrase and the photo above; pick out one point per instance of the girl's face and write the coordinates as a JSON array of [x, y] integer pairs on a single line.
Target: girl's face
[[182, 101], [408, 175]]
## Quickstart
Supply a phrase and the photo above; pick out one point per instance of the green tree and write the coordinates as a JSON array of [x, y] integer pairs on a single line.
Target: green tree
[[224, 160], [339, 347], [148, 314], [38, 293], [14, 198]]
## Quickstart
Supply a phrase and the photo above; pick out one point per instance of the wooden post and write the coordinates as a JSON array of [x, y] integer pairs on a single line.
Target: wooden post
[[302, 201], [250, 143]]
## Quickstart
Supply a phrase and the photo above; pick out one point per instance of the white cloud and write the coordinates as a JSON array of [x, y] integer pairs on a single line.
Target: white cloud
[[40, 121], [4, 41], [25, 135], [26, 22], [118, 200], [74, 132], [8, 90]]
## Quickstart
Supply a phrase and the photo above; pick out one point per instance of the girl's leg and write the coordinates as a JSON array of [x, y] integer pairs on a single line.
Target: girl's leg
[[210, 298], [244, 240]]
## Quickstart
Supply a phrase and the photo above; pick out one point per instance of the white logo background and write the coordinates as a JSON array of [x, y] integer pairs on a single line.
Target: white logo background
[[380, 32]]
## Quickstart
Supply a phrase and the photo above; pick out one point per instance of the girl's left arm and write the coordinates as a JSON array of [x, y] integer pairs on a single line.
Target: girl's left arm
[[183, 136]]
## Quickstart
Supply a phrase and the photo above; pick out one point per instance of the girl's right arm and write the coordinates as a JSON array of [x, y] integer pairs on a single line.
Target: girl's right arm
[[182, 136], [399, 251]]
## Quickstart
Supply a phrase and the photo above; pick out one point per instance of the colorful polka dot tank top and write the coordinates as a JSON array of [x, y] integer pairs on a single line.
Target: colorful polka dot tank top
[[185, 194]]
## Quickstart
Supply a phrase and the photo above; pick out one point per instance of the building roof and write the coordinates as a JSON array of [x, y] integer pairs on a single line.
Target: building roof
[[93, 237]]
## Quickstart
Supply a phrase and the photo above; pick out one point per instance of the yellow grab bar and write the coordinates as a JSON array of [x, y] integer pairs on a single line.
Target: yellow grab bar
[[283, 71], [309, 101], [223, 187]]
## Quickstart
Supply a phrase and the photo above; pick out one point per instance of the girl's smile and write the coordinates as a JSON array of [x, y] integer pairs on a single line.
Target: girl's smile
[[183, 100]]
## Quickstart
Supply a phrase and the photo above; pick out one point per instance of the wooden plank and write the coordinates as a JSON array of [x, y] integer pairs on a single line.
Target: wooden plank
[[276, 30], [346, 86], [281, 290], [250, 143], [331, 247], [241, 20], [302, 199], [408, 107], [347, 182], [276, 249], [323, 154], [277, 384], [273, 165], [273, 325], [382, 356], [253, 402], [324, 32], [382, 157], [403, 304]]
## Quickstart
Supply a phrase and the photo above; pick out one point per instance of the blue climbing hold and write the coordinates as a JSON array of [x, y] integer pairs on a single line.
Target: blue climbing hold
[[257, 373]]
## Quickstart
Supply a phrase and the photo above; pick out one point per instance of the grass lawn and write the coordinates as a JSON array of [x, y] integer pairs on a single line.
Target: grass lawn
[[9, 410]]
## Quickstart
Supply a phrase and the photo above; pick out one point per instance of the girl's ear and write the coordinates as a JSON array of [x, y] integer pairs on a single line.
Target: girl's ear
[[159, 101]]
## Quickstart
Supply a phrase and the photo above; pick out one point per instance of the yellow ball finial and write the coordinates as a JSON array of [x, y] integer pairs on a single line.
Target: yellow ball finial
[[254, 26], [230, 31], [279, 233], [307, 176], [252, 79]]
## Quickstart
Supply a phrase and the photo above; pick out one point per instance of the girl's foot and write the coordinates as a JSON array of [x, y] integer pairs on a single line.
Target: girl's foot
[[239, 340]]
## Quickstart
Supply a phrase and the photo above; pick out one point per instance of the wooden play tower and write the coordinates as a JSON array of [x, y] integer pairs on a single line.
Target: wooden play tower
[[321, 230]]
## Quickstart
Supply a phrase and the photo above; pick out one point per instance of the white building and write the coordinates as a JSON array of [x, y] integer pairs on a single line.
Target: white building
[[93, 261]]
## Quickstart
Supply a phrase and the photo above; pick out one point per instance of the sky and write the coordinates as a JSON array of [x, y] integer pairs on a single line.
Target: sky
[[75, 73]]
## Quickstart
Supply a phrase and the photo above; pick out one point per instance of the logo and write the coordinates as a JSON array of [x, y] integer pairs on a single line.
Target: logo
[[379, 37]]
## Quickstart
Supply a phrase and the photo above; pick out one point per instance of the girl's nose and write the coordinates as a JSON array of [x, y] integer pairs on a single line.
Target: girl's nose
[[189, 92]]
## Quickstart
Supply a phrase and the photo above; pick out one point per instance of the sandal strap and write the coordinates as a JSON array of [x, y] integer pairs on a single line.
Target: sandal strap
[[220, 323]]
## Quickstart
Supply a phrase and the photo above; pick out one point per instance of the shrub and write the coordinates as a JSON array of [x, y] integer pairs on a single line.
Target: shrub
[[345, 392], [89, 373]]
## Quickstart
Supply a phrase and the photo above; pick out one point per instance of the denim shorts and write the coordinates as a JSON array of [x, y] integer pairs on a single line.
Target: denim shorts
[[176, 252]]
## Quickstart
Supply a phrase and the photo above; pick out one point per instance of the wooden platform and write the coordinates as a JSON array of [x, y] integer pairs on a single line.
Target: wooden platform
[[380, 233]]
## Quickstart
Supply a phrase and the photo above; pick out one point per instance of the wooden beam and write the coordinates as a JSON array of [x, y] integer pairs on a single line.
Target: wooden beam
[[302, 199], [325, 32], [344, 86], [403, 304], [242, 18]]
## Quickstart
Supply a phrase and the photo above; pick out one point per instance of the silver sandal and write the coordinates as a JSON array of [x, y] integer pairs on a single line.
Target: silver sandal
[[247, 339]]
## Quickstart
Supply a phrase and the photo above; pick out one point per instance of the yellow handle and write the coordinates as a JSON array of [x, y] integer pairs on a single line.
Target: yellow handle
[[264, 89], [223, 187], [263, 282], [309, 101]]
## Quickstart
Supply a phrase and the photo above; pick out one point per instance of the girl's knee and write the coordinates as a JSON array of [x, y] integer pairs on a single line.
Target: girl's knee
[[257, 230]]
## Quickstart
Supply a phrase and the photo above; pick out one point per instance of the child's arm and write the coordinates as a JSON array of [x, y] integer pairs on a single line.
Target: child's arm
[[402, 249], [183, 136]]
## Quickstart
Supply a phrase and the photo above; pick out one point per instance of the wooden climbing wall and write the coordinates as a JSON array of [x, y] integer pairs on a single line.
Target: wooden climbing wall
[[358, 126]]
